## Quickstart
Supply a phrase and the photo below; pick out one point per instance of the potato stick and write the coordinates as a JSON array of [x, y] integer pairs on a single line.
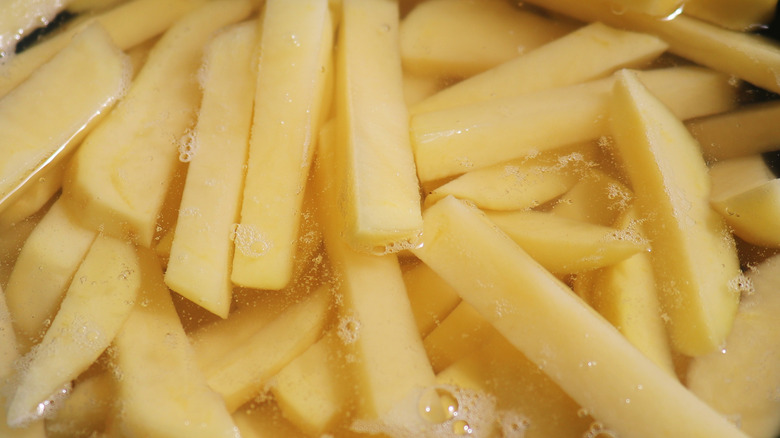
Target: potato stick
[[8, 356], [418, 88], [295, 46], [596, 198], [44, 269], [740, 15], [20, 17], [567, 246], [379, 197], [162, 392], [458, 140], [264, 420], [587, 357], [446, 38], [431, 298], [460, 333], [525, 397], [741, 380], [593, 51], [520, 183], [37, 194], [201, 250], [747, 195], [95, 306], [86, 408], [118, 178], [694, 258], [128, 24], [242, 373], [750, 57], [11, 241], [79, 84], [745, 131]]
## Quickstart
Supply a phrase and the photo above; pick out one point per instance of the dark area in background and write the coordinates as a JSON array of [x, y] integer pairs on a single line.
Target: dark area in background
[[41, 32]]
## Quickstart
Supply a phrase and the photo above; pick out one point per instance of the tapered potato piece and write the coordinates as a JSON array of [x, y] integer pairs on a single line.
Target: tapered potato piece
[[120, 175], [596, 50], [95, 306], [461, 332], [201, 250], [162, 392], [431, 298], [580, 351], [459, 38], [596, 198], [44, 269], [84, 80], [379, 195], [295, 45], [36, 195], [693, 254], [745, 131], [86, 410]]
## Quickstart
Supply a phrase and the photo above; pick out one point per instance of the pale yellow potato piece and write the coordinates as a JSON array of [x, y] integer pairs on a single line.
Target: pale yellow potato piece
[[242, 373], [741, 380], [520, 183], [592, 51], [461, 37], [296, 43], [431, 298], [525, 397], [740, 15], [129, 24], [264, 420], [748, 130], [379, 195], [95, 306], [37, 194], [418, 88], [750, 57], [162, 392], [120, 175], [747, 194], [311, 390], [43, 271], [20, 17], [201, 249], [457, 140], [596, 198], [580, 351], [568, 246], [625, 295], [84, 80], [694, 258], [86, 409], [461, 332]]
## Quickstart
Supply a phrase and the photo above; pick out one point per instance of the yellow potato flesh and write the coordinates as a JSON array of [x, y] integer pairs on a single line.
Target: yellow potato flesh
[[431, 298], [744, 131], [736, 15], [596, 198]]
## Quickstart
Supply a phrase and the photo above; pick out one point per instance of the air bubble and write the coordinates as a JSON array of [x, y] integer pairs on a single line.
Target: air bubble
[[349, 329], [461, 427], [249, 240], [582, 413]]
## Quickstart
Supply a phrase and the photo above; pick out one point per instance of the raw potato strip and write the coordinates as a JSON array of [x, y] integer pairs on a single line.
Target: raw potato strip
[[740, 15], [242, 373], [119, 177], [128, 25], [587, 357], [84, 80], [265, 421], [379, 195], [694, 258], [19, 17], [42, 272], [749, 57], [200, 258], [596, 198], [86, 408], [295, 46], [37, 194], [457, 140], [459, 38], [590, 52], [461, 332], [95, 306], [431, 298], [162, 392]]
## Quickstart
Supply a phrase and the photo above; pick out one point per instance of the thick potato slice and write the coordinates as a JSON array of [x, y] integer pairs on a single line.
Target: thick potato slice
[[461, 38], [295, 45], [379, 195], [596, 198], [693, 254], [431, 298], [95, 306], [747, 194], [162, 392], [580, 351], [457, 140], [201, 249], [593, 51], [745, 131], [119, 177], [79, 84], [44, 269], [741, 380]]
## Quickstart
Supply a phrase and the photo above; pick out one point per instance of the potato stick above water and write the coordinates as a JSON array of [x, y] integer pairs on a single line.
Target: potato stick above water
[[200, 258], [592, 52], [294, 67], [573, 345]]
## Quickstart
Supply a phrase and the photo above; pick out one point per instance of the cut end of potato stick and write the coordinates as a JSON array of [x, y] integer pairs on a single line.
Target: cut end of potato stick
[[694, 257]]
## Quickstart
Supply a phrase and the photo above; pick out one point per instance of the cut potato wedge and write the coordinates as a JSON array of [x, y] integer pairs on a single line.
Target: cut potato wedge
[[596, 198], [86, 409], [745, 131], [694, 258], [431, 298]]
